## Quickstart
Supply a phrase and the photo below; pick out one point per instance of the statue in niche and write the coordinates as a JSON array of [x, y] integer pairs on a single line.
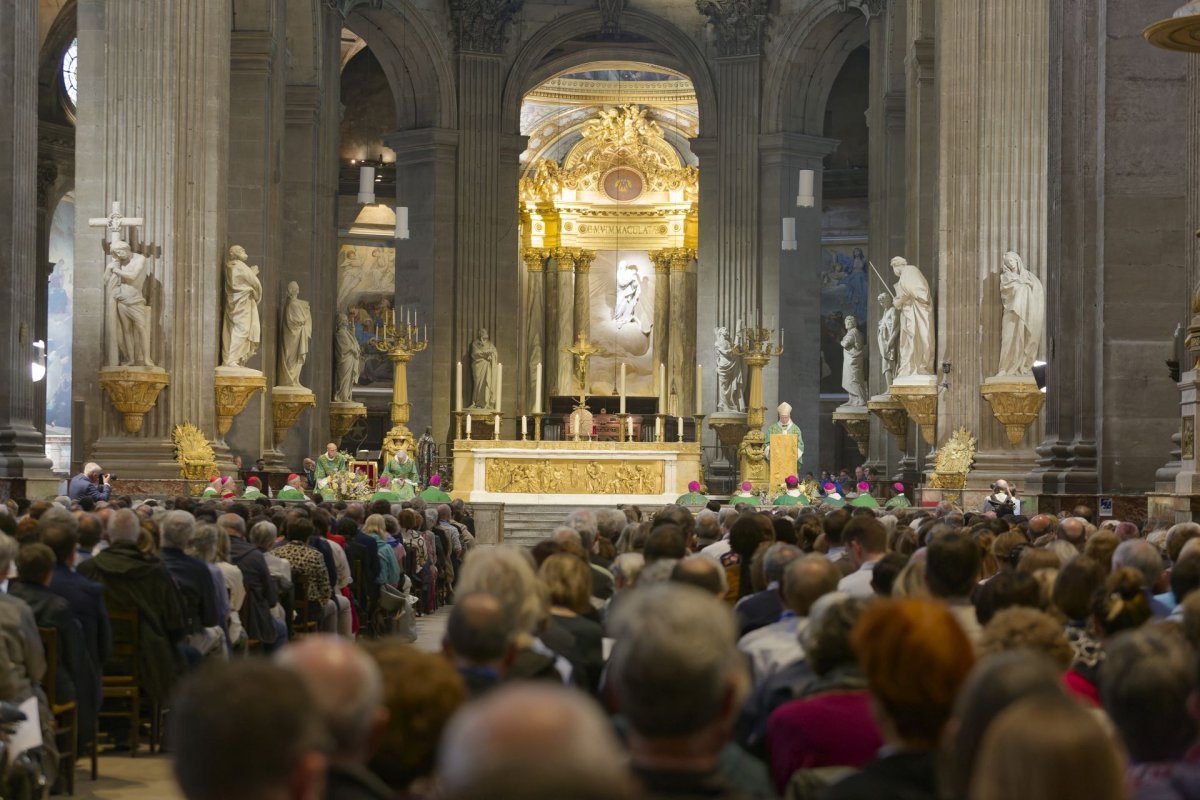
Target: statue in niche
[[1024, 317], [854, 363], [241, 332], [730, 395], [349, 360], [483, 371], [914, 305], [293, 343], [887, 337], [127, 322]]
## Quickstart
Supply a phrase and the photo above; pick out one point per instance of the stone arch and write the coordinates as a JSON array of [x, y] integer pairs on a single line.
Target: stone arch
[[417, 65], [528, 70], [813, 48]]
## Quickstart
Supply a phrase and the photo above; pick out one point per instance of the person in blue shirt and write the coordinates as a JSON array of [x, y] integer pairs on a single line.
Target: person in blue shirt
[[91, 483]]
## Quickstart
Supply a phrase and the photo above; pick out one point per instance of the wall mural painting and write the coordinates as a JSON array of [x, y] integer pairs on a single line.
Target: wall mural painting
[[845, 280], [366, 292]]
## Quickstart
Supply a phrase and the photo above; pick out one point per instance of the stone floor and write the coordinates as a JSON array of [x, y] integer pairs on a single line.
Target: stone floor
[[149, 777]]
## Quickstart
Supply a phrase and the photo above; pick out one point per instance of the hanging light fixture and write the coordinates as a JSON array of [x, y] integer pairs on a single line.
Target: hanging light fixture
[[1180, 32], [366, 185], [806, 198], [789, 233]]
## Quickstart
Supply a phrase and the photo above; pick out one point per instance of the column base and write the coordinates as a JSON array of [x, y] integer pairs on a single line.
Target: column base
[[22, 451]]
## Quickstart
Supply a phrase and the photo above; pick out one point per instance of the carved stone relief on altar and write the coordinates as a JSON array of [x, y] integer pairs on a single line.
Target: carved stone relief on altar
[[529, 476]]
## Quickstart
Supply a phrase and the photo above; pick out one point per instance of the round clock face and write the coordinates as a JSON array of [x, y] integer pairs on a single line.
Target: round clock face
[[624, 185]]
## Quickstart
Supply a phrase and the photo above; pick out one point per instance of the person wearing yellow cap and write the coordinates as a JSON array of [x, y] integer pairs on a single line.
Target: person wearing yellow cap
[[785, 425], [792, 496], [693, 496]]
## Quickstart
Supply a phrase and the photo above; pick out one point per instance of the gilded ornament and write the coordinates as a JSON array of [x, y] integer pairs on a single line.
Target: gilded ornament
[[233, 391], [533, 476], [133, 391], [342, 417], [953, 462], [286, 408], [921, 404], [858, 425], [752, 459], [1187, 439], [1015, 404], [193, 453], [892, 416]]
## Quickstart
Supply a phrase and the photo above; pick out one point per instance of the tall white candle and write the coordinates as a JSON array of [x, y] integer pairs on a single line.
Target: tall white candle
[[458, 388], [537, 395], [499, 386], [622, 387], [699, 390], [679, 422], [658, 428], [524, 425], [629, 421], [662, 388], [468, 426]]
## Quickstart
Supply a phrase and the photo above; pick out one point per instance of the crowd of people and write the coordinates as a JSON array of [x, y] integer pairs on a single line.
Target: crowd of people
[[729, 653]]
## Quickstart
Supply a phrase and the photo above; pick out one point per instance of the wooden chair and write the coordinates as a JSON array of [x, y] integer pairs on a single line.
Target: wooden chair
[[250, 645], [122, 679], [66, 715], [302, 622]]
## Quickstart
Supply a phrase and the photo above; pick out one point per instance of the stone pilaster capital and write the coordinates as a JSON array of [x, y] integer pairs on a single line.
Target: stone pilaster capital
[[662, 261], [564, 259], [739, 25], [583, 261], [480, 25], [870, 8], [535, 259]]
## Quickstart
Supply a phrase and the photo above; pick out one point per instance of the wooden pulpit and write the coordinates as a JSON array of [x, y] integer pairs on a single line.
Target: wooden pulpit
[[784, 453]]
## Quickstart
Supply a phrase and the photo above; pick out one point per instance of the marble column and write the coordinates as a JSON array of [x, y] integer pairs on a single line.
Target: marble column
[[22, 446], [886, 120], [582, 312], [792, 281], [425, 183], [153, 135], [681, 361], [662, 319], [254, 209], [535, 326], [1067, 455], [560, 310], [992, 198]]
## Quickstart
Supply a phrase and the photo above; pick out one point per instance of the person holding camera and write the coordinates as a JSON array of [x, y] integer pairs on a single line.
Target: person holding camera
[[92, 482]]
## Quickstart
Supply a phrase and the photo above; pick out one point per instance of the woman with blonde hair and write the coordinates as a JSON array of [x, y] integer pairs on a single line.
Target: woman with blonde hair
[[568, 581], [1048, 748], [389, 567]]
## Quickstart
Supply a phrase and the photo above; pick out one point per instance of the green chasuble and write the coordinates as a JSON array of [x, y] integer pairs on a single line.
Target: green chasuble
[[865, 501], [210, 492], [692, 499], [899, 501], [252, 494], [403, 477], [391, 497], [786, 499], [433, 494], [290, 493], [834, 502], [748, 499], [326, 466], [792, 429]]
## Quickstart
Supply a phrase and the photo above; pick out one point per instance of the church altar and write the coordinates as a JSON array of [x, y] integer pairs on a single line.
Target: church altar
[[582, 473]]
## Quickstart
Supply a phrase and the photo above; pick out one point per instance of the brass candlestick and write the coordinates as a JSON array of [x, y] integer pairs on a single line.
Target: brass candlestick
[[537, 425], [399, 342]]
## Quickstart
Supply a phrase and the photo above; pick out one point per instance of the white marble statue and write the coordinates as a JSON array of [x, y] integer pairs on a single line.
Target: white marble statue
[[127, 317], [483, 371], [629, 291], [730, 395], [887, 337], [348, 360], [1024, 317], [293, 341], [914, 304], [854, 363], [241, 332]]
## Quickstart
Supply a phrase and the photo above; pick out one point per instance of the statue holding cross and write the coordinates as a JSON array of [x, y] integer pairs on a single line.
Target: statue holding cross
[[127, 314]]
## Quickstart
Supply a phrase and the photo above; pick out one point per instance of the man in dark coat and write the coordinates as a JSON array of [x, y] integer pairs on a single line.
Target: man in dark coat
[[136, 580], [261, 593]]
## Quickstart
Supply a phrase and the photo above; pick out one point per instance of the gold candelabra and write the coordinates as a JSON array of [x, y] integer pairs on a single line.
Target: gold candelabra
[[757, 346], [399, 342]]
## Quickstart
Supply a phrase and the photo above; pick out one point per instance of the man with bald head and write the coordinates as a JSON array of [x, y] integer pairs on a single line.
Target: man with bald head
[[1071, 530], [703, 573], [1042, 524], [134, 580], [532, 740], [480, 641], [776, 646], [348, 690]]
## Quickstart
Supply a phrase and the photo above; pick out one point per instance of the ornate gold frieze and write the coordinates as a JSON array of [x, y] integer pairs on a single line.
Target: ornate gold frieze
[[485, 445], [1187, 438], [534, 476], [193, 453], [1015, 404], [134, 391]]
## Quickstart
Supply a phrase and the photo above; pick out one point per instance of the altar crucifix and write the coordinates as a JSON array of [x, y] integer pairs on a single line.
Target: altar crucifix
[[114, 222], [583, 350]]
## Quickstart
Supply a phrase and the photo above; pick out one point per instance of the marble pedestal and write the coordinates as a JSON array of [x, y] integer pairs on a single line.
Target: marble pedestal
[[233, 387], [1015, 403], [133, 391]]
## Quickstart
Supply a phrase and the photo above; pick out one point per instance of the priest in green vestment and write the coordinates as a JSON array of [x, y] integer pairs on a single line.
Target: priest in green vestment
[[433, 492], [785, 425], [386, 485], [329, 463], [900, 500], [693, 496], [792, 496], [292, 490], [401, 469], [746, 496], [253, 489], [864, 499]]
